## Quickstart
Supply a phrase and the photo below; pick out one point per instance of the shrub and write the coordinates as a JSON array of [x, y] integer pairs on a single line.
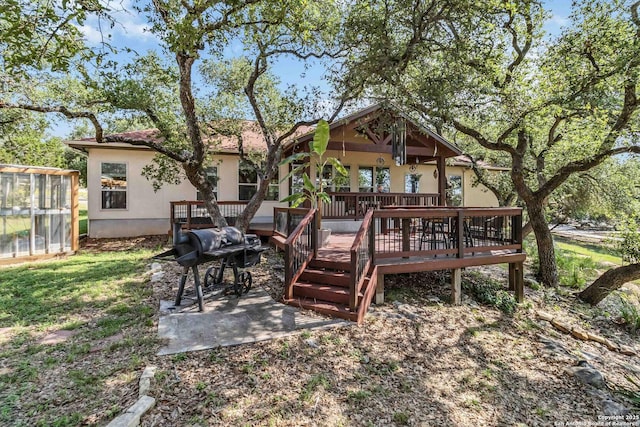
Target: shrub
[[491, 293], [629, 246], [574, 271], [630, 313]]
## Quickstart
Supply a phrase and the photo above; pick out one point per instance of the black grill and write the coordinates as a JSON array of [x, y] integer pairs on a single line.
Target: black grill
[[228, 245]]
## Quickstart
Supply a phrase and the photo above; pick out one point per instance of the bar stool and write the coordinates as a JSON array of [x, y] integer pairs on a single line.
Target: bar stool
[[434, 233]]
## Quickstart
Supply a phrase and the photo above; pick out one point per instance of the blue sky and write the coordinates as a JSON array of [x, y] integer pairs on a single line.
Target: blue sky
[[131, 30]]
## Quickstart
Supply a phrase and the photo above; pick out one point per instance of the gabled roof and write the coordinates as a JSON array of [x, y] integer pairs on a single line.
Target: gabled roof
[[447, 148], [421, 137]]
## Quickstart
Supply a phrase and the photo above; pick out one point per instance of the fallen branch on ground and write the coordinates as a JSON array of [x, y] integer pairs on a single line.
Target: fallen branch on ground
[[583, 335]]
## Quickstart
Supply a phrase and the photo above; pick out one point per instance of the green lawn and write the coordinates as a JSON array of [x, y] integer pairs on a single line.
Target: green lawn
[[105, 302], [578, 263], [82, 217], [602, 253], [22, 224]]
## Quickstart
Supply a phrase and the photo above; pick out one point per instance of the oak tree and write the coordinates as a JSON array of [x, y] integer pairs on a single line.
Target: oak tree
[[553, 107], [168, 90]]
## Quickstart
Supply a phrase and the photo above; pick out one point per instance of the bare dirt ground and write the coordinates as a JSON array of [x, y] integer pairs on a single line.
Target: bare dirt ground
[[416, 361]]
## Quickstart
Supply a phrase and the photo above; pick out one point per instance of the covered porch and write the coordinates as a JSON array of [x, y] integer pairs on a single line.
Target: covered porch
[[390, 160]]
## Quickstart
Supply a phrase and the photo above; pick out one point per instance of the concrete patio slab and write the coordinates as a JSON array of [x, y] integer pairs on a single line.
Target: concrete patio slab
[[229, 320]]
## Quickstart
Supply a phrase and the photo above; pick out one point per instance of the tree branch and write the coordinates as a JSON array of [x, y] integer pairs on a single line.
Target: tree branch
[[61, 109], [520, 51], [481, 177], [579, 166], [156, 146], [481, 139], [99, 132]]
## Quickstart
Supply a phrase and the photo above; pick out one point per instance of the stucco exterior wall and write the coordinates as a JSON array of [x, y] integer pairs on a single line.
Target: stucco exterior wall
[[473, 196], [148, 212]]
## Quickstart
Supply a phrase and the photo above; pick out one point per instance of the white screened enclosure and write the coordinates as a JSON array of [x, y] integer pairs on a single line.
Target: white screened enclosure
[[38, 211]]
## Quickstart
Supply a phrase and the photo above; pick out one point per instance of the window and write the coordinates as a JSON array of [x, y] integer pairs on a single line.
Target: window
[[212, 176], [374, 179], [454, 190], [383, 180], [342, 183], [296, 184], [336, 182], [273, 193], [412, 183], [247, 181], [113, 182], [365, 179]]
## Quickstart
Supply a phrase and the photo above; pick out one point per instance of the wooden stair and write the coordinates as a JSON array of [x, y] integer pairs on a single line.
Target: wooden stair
[[324, 288]]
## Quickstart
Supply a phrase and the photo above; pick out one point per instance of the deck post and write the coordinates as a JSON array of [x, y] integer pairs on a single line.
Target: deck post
[[188, 215], [380, 289], [406, 235], [516, 280], [372, 238], [314, 235], [460, 235], [456, 286], [288, 269], [516, 228], [512, 277]]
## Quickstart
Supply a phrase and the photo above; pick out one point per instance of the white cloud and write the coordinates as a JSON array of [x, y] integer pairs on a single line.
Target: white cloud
[[91, 34], [559, 20], [129, 27], [133, 29]]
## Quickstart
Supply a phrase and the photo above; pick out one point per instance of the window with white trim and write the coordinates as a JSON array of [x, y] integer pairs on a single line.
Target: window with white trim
[[365, 179], [113, 184], [212, 176], [334, 181], [273, 193], [412, 183], [296, 183], [454, 190], [247, 181], [373, 178]]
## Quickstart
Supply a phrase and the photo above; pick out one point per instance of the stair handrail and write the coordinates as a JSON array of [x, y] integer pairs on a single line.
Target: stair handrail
[[297, 254], [360, 259]]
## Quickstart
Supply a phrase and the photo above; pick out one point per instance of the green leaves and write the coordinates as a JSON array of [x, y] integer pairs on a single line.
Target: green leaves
[[296, 199], [338, 166], [308, 185], [318, 147], [320, 138], [46, 35]]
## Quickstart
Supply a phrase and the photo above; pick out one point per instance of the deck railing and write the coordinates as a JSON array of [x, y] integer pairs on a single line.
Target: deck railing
[[355, 205], [360, 259], [404, 231], [285, 220], [193, 214], [299, 248]]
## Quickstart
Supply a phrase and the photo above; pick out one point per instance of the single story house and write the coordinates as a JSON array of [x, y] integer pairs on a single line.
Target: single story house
[[384, 152]]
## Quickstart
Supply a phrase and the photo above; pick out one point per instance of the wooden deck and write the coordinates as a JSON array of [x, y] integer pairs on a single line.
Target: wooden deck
[[339, 245], [344, 276]]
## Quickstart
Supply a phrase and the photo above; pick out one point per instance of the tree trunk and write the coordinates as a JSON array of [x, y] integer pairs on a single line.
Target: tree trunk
[[609, 282], [244, 219], [547, 271], [197, 179], [213, 209]]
